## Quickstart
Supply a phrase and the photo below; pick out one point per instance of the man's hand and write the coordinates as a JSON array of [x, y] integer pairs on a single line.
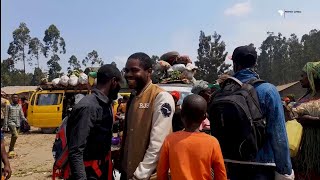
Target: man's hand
[[7, 171]]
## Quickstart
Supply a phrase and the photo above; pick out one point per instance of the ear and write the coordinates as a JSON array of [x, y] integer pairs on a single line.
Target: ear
[[113, 81], [204, 116], [149, 70]]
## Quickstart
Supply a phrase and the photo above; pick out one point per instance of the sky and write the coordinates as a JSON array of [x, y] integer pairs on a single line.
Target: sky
[[117, 29]]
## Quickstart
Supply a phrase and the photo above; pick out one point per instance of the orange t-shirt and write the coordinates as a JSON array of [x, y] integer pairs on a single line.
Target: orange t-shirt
[[190, 156]]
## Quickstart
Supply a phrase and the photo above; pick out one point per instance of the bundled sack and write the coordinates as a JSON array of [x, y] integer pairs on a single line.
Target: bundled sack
[[294, 132], [83, 78], [161, 66], [178, 67], [73, 80], [184, 60], [56, 81], [64, 80], [170, 57], [191, 67]]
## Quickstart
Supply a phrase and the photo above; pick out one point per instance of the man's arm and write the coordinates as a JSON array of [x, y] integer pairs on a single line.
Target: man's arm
[[276, 131], [5, 160], [161, 127], [78, 129], [6, 117], [163, 165], [22, 114]]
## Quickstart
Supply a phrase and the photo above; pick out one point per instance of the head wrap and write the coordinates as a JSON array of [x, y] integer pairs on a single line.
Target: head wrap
[[175, 94], [199, 86], [313, 72], [214, 86], [286, 99]]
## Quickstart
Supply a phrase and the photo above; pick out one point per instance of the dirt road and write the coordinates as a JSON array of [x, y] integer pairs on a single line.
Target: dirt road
[[33, 156]]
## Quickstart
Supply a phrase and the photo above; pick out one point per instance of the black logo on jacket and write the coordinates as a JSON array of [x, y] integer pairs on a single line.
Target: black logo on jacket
[[166, 109]]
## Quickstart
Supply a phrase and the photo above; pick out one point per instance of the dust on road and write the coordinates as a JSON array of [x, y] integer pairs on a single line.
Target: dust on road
[[34, 158]]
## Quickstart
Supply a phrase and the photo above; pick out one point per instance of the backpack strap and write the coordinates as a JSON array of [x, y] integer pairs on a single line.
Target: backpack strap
[[231, 79], [253, 82]]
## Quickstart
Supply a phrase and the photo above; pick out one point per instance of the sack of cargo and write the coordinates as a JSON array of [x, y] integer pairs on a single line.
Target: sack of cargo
[[294, 132], [184, 60], [162, 65], [170, 57], [179, 67], [83, 78], [64, 80], [55, 81], [73, 80], [191, 67]]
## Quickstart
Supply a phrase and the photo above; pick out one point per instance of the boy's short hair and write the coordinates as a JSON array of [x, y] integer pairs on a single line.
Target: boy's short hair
[[194, 108]]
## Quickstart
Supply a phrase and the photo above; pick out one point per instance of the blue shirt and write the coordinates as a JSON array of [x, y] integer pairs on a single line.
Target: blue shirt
[[276, 150]]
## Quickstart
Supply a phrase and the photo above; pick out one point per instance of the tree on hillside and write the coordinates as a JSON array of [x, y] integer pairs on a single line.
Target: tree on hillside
[[92, 58], [273, 59], [74, 63], [11, 76], [295, 55], [281, 59], [154, 59], [311, 46], [37, 76], [17, 48], [54, 67], [211, 57], [7, 66], [54, 45], [35, 49]]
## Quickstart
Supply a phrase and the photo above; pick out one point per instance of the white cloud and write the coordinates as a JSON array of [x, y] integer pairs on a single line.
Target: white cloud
[[239, 9]]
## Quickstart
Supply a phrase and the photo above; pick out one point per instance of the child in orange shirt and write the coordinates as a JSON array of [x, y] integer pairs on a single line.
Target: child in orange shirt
[[190, 154]]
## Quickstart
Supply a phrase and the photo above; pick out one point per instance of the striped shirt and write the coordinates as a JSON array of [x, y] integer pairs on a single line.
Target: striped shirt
[[14, 115]]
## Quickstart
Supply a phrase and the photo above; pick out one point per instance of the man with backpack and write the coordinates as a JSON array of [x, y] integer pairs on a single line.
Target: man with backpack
[[89, 128], [248, 120]]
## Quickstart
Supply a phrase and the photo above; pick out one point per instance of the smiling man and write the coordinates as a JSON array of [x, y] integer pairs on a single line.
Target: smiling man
[[148, 120]]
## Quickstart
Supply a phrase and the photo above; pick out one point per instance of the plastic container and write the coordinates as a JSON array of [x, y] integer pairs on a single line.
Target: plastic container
[[55, 81], [294, 132]]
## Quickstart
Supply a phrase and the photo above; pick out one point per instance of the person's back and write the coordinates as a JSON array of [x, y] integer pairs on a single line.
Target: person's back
[[190, 154], [274, 157]]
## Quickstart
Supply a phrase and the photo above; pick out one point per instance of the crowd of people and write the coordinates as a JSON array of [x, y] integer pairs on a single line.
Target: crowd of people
[[197, 140]]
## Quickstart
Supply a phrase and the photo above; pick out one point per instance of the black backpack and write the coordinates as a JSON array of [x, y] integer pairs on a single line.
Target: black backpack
[[237, 120]]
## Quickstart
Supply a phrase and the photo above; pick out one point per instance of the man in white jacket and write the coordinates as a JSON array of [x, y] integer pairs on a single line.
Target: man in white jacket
[[148, 120]]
